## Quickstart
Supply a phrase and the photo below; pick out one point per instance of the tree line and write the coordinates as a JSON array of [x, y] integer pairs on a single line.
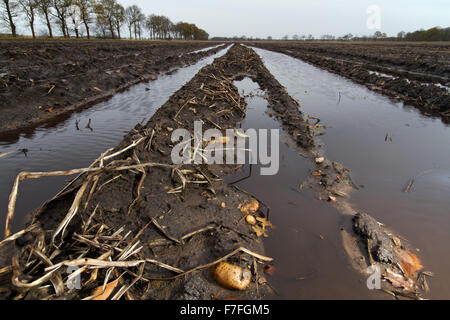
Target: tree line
[[433, 34], [99, 18]]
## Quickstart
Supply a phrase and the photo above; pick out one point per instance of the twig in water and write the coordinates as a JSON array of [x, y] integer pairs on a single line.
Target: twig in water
[[408, 187]]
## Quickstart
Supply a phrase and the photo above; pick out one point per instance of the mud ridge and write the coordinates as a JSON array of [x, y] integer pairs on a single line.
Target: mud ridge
[[408, 87], [48, 80], [184, 216]]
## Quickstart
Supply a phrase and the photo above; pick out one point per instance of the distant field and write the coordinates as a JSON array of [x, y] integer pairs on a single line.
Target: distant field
[[415, 72], [428, 58], [382, 43]]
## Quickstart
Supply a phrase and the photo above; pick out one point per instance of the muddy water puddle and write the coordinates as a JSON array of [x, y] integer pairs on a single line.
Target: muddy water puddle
[[80, 139], [306, 244], [385, 145]]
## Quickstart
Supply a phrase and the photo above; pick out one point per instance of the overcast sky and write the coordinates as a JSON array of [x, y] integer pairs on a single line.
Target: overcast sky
[[276, 18]]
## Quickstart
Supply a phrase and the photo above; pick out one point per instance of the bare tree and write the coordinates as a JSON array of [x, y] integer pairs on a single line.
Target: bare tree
[[75, 18], [85, 13], [348, 36], [132, 14], [118, 16], [140, 24], [44, 7], [151, 24], [161, 27], [71, 15], [61, 13], [10, 12], [28, 7], [109, 12]]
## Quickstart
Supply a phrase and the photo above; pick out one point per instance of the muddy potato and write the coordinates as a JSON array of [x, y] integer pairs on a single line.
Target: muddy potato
[[250, 219], [230, 276], [250, 207], [320, 160]]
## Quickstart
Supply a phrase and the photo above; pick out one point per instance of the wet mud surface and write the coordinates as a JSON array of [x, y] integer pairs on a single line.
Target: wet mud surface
[[136, 206], [79, 139], [416, 74], [181, 199], [41, 80]]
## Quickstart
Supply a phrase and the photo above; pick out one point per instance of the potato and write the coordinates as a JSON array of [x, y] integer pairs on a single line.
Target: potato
[[230, 276], [250, 219], [250, 207]]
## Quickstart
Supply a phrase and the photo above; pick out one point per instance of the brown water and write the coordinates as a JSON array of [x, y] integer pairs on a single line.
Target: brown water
[[60, 146], [306, 243], [357, 125]]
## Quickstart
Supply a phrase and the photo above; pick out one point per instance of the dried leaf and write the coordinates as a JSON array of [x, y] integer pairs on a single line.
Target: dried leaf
[[240, 134], [317, 173], [397, 241], [410, 262], [222, 140], [259, 231], [93, 277], [332, 198], [264, 222], [399, 281], [340, 193], [104, 295], [262, 229]]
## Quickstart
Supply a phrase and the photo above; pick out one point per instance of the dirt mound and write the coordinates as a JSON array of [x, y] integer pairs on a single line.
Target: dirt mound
[[41, 80]]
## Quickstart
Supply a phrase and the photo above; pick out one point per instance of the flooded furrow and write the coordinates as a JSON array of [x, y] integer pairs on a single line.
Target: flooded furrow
[[387, 146], [204, 49], [306, 244], [80, 139]]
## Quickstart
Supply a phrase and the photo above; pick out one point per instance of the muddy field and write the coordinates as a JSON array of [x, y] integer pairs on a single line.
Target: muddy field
[[418, 74], [197, 213], [155, 230], [40, 80]]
